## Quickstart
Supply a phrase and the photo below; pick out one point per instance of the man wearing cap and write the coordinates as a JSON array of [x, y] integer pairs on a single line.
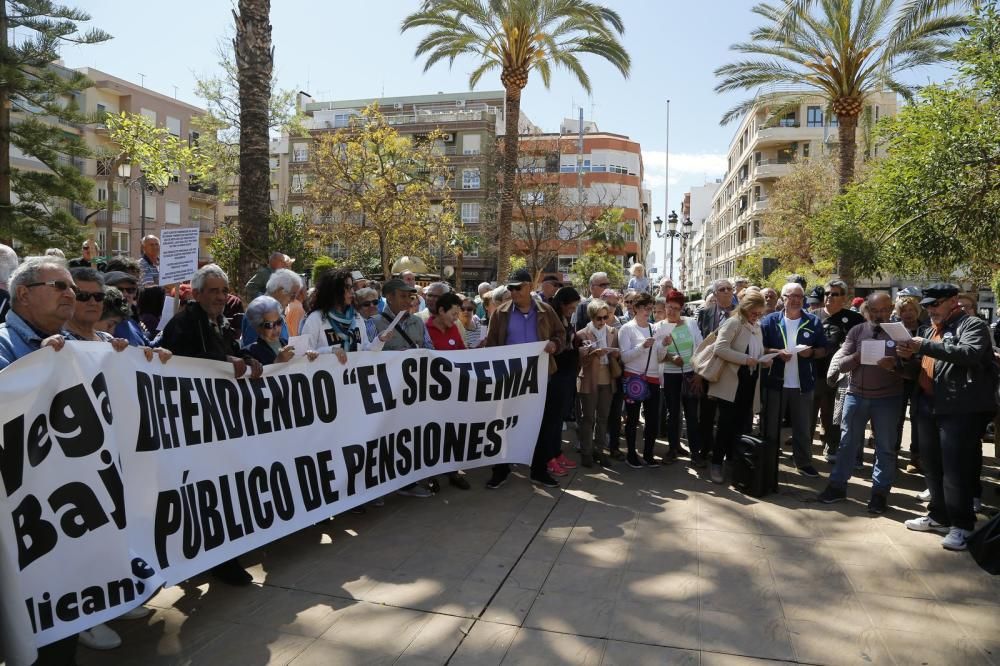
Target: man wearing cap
[[525, 319], [955, 396], [131, 328], [814, 301], [550, 285], [837, 321], [257, 285]]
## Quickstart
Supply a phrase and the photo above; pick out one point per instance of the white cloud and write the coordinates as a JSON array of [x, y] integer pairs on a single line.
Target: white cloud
[[683, 166]]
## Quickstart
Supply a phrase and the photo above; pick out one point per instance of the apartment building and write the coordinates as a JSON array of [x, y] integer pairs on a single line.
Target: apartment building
[[697, 208], [471, 123], [606, 173], [781, 128], [181, 204]]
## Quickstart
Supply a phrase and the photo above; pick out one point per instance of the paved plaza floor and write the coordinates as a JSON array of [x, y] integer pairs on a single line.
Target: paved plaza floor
[[624, 567]]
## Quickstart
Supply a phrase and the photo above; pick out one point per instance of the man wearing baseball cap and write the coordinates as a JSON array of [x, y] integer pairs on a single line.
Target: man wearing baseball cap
[[526, 319], [955, 396]]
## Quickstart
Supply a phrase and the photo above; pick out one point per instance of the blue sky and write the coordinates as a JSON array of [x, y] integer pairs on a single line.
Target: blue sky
[[346, 50]]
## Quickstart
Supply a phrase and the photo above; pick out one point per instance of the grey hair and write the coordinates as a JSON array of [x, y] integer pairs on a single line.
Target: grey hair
[[500, 294], [148, 236], [55, 252], [365, 293], [791, 286], [597, 276], [871, 297], [444, 286], [28, 272], [595, 306], [261, 306], [205, 272], [718, 283], [839, 284], [482, 286], [283, 279], [86, 274], [8, 262]]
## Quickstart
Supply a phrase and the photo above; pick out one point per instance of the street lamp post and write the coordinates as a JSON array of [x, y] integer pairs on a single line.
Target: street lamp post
[[672, 233]]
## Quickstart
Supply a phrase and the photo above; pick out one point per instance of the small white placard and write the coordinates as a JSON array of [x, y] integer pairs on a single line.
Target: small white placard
[[178, 254], [872, 351], [300, 343]]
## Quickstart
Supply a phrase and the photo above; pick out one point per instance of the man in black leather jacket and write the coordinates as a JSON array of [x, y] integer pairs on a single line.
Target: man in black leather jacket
[[956, 391]]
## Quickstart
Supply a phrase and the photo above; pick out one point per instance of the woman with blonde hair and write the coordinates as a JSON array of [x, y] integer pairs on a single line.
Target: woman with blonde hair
[[739, 344], [600, 369], [639, 281]]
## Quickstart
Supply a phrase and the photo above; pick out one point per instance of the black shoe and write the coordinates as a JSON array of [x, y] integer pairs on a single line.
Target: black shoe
[[670, 457], [809, 470], [231, 573], [878, 504], [586, 461], [617, 455], [603, 461], [634, 462], [831, 494], [498, 479], [459, 481], [544, 479], [650, 462], [698, 461], [433, 486]]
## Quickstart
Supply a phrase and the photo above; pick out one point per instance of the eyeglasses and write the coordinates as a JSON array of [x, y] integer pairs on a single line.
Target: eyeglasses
[[268, 325], [84, 296], [368, 304], [58, 285]]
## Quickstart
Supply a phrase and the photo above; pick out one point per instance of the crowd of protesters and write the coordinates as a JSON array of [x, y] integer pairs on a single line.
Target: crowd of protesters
[[784, 358]]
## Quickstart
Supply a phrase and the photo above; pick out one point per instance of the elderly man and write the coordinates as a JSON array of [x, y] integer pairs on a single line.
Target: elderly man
[[431, 293], [282, 286], [483, 289], [955, 396], [410, 278], [257, 285], [8, 262], [837, 320], [770, 300], [149, 263], [875, 394], [548, 288], [200, 331], [666, 285], [797, 337], [525, 319], [598, 283], [89, 252]]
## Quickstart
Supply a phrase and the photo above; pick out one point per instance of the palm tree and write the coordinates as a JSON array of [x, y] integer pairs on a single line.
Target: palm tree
[[254, 66], [842, 50], [516, 37]]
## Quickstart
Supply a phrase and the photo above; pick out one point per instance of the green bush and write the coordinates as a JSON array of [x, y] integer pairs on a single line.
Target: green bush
[[321, 265]]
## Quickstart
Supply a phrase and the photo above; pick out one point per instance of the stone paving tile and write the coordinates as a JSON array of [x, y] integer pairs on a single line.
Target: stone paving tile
[[618, 653], [543, 648]]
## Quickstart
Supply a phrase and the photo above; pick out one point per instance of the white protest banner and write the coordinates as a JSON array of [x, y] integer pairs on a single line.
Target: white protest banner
[[121, 475], [178, 254]]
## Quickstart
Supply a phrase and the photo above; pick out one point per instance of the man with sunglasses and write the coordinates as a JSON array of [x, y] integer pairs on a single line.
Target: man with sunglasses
[[131, 328], [43, 298], [837, 320], [955, 396], [89, 252]]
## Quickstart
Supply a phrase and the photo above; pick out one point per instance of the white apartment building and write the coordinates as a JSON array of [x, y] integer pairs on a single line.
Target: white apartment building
[[699, 203], [783, 127]]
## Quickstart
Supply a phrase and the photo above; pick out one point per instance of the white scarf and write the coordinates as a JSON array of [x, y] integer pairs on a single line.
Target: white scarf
[[756, 347], [601, 336]]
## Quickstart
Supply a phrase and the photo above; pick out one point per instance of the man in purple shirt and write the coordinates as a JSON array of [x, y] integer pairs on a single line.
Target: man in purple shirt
[[526, 319]]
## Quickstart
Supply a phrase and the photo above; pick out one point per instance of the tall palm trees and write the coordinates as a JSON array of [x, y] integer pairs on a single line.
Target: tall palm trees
[[254, 65], [844, 50], [516, 37]]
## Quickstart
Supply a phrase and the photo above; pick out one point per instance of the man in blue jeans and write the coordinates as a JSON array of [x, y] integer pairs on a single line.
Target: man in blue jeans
[[875, 393]]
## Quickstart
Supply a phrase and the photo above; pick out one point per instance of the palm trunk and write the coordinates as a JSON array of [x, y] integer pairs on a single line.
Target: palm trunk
[[848, 138], [254, 64], [459, 268], [510, 142], [383, 250]]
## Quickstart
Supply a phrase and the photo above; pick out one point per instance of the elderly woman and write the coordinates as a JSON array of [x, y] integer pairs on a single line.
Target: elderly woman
[[641, 354], [89, 308], [638, 281], [282, 286], [739, 344], [115, 310], [269, 346], [471, 323], [600, 368], [681, 387], [366, 301]]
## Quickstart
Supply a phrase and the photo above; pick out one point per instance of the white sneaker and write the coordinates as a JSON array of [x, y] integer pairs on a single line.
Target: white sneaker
[[101, 637], [956, 539], [925, 524], [924, 496], [136, 613]]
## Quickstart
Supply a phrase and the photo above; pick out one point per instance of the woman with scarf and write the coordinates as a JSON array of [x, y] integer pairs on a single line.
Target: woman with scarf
[[641, 353], [332, 324], [681, 387], [739, 344], [600, 368]]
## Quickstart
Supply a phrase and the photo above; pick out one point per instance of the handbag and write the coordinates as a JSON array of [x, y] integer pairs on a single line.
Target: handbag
[[705, 362], [636, 387], [984, 546]]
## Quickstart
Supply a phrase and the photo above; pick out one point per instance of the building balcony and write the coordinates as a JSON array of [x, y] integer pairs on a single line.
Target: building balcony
[[759, 206], [771, 169], [773, 135]]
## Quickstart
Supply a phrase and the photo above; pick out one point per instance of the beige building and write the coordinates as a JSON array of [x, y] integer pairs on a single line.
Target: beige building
[[181, 204], [780, 129]]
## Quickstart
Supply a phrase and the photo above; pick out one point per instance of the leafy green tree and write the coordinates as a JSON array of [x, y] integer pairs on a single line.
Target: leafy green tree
[[294, 234], [383, 192], [517, 37], [839, 50], [598, 259], [35, 98]]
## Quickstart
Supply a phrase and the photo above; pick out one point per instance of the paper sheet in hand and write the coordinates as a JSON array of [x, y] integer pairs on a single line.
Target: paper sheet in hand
[[300, 342], [664, 329], [801, 348], [872, 351], [167, 313], [767, 357], [897, 331]]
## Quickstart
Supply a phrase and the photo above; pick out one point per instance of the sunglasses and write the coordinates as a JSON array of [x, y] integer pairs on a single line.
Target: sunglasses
[[601, 318], [58, 285], [268, 325], [84, 296], [834, 294], [468, 309], [368, 304], [514, 287]]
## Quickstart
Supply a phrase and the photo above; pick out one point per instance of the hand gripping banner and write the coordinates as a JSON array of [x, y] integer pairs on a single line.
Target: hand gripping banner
[[118, 475]]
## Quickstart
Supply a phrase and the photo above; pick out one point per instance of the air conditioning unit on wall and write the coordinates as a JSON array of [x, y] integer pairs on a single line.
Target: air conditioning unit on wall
[[448, 137]]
